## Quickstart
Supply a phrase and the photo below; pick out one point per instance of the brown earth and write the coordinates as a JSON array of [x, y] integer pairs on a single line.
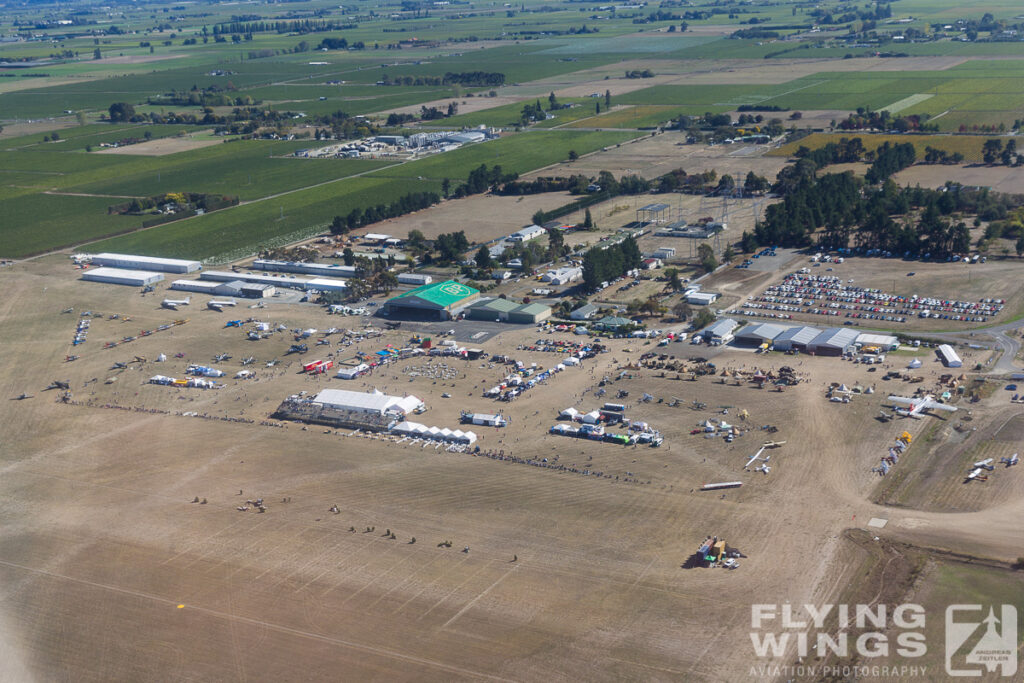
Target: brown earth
[[109, 572]]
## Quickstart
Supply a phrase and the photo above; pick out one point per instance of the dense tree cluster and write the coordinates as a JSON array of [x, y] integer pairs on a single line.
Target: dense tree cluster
[[472, 79], [993, 152], [890, 159], [941, 156], [865, 119], [481, 179], [576, 184], [212, 96], [602, 264]]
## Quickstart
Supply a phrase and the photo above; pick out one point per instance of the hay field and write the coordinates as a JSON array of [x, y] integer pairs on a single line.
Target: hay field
[[101, 544]]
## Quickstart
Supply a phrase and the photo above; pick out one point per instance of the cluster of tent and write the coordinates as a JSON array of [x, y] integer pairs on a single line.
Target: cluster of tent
[[204, 371], [196, 382], [596, 432], [415, 429], [522, 379]]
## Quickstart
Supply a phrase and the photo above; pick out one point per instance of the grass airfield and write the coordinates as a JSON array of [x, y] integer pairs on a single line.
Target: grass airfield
[[101, 543]]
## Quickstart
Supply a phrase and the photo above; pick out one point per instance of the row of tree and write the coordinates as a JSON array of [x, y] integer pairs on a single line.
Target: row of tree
[[406, 204], [473, 79]]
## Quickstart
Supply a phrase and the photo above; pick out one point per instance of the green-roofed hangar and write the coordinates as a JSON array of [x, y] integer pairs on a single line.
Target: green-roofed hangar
[[437, 301]]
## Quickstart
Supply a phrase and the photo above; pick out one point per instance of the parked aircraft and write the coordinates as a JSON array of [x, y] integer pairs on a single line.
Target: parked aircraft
[[119, 366], [174, 303], [919, 405], [756, 457], [773, 444], [249, 360], [985, 464], [1010, 461], [271, 363], [58, 384], [222, 302], [69, 310], [221, 357], [765, 468], [21, 397], [976, 474]]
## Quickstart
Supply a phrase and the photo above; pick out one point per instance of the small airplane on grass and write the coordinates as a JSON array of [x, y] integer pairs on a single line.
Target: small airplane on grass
[[174, 303], [1009, 461], [917, 406], [21, 397]]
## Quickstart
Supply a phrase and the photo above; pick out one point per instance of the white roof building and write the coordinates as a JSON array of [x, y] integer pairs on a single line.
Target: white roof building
[[528, 233], [721, 330], [320, 269], [796, 338], [886, 341], [120, 276], [164, 265], [701, 298], [360, 402], [949, 356], [417, 279]]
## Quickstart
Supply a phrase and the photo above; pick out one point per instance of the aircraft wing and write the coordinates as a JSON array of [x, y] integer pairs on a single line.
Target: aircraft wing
[[929, 405], [901, 399]]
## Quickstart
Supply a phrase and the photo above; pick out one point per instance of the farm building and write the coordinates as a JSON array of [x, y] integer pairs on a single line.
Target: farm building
[[796, 338], [416, 279], [755, 335], [885, 342], [530, 232], [120, 276], [651, 263], [563, 276], [374, 403], [376, 238], [701, 298], [148, 263], [319, 269], [277, 281], [948, 355], [664, 253], [834, 341], [584, 312], [530, 314], [504, 310], [721, 331], [436, 301], [249, 290]]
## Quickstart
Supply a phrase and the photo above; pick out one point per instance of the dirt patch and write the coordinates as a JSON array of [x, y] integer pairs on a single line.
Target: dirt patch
[[161, 147], [999, 178]]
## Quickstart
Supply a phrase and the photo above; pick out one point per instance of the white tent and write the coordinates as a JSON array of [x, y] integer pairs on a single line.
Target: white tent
[[571, 361], [916, 363], [569, 414], [469, 437], [843, 389], [243, 374], [593, 417], [161, 358]]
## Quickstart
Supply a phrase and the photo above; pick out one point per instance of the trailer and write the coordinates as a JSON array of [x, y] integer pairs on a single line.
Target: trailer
[[722, 485]]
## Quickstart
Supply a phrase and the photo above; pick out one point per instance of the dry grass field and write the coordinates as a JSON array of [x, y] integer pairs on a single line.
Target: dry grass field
[[109, 572], [164, 146]]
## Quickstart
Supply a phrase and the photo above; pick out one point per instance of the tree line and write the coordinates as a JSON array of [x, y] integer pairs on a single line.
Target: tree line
[[476, 79]]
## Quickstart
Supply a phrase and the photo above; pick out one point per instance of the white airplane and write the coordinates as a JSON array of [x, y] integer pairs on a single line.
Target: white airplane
[[756, 457], [174, 303], [766, 468], [1010, 461], [919, 405], [218, 304], [985, 464], [976, 473]]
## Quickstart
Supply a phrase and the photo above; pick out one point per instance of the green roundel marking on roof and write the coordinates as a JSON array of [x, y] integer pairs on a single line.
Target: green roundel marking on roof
[[455, 289]]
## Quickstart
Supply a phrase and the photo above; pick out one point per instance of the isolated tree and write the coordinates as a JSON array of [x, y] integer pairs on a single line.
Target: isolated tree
[[446, 187], [349, 256], [706, 257], [703, 318], [483, 258], [556, 243], [607, 98], [990, 151], [588, 221], [728, 255], [674, 283], [96, 54], [573, 156], [682, 310]]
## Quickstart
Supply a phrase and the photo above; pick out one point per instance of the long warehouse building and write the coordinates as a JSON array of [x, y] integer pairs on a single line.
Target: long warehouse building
[[120, 276], [319, 269], [322, 284], [134, 262]]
